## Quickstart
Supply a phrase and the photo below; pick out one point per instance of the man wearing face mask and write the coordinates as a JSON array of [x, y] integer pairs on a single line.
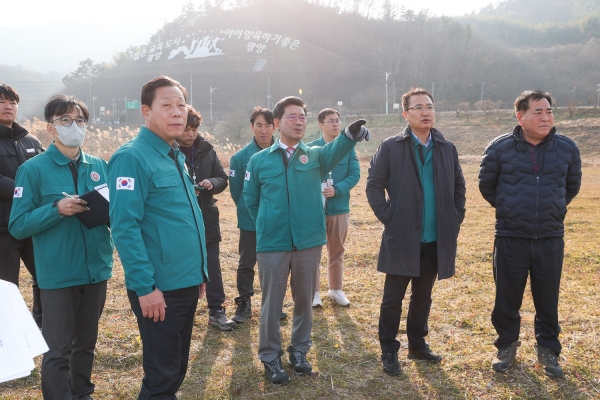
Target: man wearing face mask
[[73, 262]]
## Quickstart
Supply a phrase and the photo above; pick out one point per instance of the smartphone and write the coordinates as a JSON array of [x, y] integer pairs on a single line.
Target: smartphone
[[197, 187]]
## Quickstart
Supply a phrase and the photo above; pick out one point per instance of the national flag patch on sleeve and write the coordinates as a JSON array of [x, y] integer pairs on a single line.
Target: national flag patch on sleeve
[[125, 183], [18, 191], [247, 177], [232, 173]]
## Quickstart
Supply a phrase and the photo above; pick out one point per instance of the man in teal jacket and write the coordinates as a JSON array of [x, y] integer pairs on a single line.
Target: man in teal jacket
[[72, 262], [261, 123], [336, 192], [282, 190], [158, 230]]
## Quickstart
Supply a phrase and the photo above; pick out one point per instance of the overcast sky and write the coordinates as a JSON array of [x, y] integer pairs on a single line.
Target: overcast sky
[[33, 31]]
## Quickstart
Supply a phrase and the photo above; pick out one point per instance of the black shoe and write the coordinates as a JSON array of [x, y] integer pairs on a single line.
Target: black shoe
[[298, 361], [391, 366], [243, 311], [424, 354], [275, 372], [506, 355], [549, 360], [220, 321]]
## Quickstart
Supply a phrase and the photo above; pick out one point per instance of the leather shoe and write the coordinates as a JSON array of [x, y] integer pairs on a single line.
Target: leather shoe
[[424, 354]]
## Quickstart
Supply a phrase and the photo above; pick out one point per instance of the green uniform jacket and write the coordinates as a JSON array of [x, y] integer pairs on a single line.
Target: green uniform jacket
[[286, 201], [156, 223], [237, 169], [345, 176], [66, 252]]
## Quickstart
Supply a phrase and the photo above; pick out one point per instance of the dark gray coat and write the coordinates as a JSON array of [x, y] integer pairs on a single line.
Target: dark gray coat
[[393, 171]]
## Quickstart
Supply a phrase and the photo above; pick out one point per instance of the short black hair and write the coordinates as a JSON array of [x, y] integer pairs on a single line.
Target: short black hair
[[149, 89], [194, 119], [265, 112], [287, 101], [325, 112], [9, 93], [414, 91], [62, 104], [522, 102]]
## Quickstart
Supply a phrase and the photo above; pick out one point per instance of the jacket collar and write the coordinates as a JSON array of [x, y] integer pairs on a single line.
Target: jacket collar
[[518, 135], [61, 159], [201, 145], [301, 146], [155, 141], [436, 136], [258, 146], [15, 132]]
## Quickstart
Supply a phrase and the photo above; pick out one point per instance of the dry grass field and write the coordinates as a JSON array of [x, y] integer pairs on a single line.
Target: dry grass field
[[345, 348]]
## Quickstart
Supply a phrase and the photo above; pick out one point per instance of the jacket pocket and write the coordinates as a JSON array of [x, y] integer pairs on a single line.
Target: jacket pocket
[[166, 181], [270, 173], [307, 167]]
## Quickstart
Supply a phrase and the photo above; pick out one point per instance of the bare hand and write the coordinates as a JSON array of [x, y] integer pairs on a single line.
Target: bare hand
[[206, 184], [329, 191], [69, 207], [153, 305], [202, 290]]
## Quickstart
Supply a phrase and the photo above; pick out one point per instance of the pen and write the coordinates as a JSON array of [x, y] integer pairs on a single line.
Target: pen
[[68, 196]]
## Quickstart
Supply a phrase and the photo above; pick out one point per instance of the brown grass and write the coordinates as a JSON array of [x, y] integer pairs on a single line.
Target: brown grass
[[345, 346]]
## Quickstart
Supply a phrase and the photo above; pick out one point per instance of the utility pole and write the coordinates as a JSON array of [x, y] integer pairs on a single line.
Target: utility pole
[[433, 89], [482, 95], [113, 114], [126, 113], [598, 94], [211, 103], [387, 75]]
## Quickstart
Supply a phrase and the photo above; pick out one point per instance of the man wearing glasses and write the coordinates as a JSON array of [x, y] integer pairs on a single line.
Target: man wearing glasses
[[282, 190], [421, 212], [338, 183], [72, 261]]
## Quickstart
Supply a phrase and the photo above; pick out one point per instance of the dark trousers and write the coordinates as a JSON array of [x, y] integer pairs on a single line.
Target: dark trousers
[[166, 344], [215, 293], [514, 259], [418, 309], [13, 251], [70, 328], [245, 271]]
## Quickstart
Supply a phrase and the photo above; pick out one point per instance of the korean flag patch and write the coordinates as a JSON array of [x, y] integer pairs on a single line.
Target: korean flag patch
[[125, 183], [232, 173], [18, 191], [247, 177]]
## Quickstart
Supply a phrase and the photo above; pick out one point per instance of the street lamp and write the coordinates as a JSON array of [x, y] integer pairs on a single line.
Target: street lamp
[[387, 75], [94, 108], [598, 94], [211, 103]]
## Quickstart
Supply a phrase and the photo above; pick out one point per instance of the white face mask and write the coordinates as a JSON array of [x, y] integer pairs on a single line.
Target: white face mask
[[71, 136]]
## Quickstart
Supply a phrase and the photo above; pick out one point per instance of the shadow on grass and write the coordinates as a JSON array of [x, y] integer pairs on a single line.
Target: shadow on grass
[[243, 376], [201, 368], [439, 381], [531, 382], [354, 366]]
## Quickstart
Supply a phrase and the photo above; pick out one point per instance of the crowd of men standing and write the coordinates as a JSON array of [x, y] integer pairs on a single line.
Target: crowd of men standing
[[291, 199]]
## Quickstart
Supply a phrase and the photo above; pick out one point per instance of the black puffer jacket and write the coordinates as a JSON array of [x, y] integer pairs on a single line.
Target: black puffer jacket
[[208, 166], [529, 205], [16, 147]]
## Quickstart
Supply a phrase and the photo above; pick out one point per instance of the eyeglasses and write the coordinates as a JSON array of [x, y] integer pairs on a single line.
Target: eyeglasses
[[421, 108], [294, 118], [68, 121], [333, 121]]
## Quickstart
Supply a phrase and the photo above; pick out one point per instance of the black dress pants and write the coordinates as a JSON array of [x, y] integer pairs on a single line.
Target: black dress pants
[[166, 344], [514, 260], [418, 309], [245, 271], [13, 251], [215, 293]]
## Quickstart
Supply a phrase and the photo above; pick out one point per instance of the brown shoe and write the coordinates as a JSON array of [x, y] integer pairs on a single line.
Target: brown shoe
[[506, 355]]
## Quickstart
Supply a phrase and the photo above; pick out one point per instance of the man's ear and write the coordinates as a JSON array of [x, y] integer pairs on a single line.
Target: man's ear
[[276, 123], [146, 111]]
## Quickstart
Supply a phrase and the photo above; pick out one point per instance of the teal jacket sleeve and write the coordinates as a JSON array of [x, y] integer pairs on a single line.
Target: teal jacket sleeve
[[126, 212], [251, 189], [236, 179], [346, 184], [28, 216], [333, 152]]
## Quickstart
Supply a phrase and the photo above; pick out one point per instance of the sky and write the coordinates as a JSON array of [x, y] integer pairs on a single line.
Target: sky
[[32, 31]]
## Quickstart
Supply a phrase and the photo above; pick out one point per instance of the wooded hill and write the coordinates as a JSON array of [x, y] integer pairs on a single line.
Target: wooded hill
[[344, 56]]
